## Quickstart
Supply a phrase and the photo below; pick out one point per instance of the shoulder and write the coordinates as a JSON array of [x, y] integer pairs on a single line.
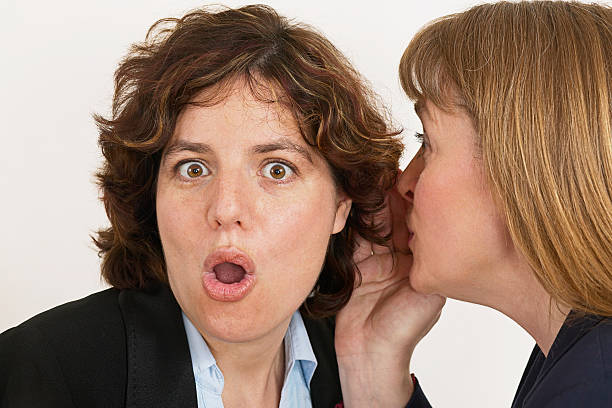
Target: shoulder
[[591, 355], [582, 376], [98, 308], [71, 350], [603, 331], [74, 328]]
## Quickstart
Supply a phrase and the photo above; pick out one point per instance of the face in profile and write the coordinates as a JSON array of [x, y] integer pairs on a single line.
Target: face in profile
[[245, 210], [459, 239]]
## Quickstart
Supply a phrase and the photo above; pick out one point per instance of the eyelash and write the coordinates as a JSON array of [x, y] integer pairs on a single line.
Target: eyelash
[[177, 169], [422, 139], [280, 161], [295, 171]]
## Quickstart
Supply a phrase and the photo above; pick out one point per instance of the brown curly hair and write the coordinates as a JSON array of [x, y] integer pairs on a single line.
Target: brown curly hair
[[336, 112]]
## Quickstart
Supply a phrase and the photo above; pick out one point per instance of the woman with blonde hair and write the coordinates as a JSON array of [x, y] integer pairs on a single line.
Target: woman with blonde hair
[[507, 204]]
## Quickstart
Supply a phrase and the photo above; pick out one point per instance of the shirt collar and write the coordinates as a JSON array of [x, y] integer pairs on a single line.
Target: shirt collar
[[201, 357], [297, 349], [206, 373]]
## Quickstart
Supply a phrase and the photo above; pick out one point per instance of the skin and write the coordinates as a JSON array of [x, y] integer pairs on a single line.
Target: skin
[[461, 249], [375, 336], [458, 231], [283, 224]]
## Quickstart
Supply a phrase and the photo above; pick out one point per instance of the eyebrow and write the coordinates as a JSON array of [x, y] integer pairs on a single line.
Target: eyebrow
[[280, 144], [182, 145]]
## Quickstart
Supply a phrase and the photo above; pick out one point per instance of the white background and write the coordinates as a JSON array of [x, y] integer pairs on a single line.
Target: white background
[[57, 62]]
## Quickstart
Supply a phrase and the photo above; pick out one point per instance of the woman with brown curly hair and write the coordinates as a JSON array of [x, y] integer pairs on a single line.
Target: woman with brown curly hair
[[243, 156], [508, 204]]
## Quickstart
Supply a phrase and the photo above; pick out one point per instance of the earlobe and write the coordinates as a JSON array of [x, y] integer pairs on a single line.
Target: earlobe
[[342, 212]]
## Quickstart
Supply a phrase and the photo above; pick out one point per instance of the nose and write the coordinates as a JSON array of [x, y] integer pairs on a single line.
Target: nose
[[227, 203], [409, 178]]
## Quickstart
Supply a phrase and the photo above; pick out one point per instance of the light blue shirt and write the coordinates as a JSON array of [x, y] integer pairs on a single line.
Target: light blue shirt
[[300, 364]]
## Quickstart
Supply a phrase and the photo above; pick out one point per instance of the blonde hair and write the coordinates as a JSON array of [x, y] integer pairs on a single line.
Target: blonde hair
[[536, 78]]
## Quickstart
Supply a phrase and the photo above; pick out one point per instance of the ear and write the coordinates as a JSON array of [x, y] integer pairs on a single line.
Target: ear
[[343, 208]]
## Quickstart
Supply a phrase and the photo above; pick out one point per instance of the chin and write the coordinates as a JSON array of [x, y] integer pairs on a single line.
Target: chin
[[232, 329], [238, 322], [234, 335], [420, 281]]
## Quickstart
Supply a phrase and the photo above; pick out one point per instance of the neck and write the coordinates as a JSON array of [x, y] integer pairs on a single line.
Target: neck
[[539, 315], [253, 371], [520, 296]]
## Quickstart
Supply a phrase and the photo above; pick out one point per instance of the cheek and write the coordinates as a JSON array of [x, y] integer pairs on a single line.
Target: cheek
[[183, 234], [297, 233], [179, 222], [439, 206], [433, 223], [292, 243], [442, 217], [461, 235]]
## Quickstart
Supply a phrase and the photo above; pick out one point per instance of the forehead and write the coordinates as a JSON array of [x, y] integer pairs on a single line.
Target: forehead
[[236, 110], [430, 112]]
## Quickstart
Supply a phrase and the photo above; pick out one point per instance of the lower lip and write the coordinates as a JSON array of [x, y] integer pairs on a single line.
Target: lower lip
[[227, 292]]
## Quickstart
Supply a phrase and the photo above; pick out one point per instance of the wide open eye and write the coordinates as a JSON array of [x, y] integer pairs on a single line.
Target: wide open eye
[[277, 171], [192, 169]]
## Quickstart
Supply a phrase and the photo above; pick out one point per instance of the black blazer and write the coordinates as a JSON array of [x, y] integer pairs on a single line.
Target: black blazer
[[577, 373], [123, 348]]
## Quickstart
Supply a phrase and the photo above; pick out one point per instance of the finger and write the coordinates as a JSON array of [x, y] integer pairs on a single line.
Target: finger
[[366, 248], [363, 249], [385, 268], [399, 212], [376, 268], [383, 218], [380, 249], [402, 264]]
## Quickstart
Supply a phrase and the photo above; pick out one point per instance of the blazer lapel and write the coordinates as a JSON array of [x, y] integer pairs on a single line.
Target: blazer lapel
[[325, 391], [160, 373]]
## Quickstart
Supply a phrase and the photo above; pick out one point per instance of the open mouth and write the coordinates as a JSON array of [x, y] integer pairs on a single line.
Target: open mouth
[[229, 274]]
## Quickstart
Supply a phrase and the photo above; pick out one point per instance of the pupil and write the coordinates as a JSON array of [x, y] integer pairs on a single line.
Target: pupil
[[193, 170], [277, 172]]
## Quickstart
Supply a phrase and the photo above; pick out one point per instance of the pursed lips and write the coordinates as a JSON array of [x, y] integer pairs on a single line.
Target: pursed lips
[[410, 231]]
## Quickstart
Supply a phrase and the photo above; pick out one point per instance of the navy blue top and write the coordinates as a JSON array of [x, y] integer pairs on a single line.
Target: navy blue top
[[576, 373]]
